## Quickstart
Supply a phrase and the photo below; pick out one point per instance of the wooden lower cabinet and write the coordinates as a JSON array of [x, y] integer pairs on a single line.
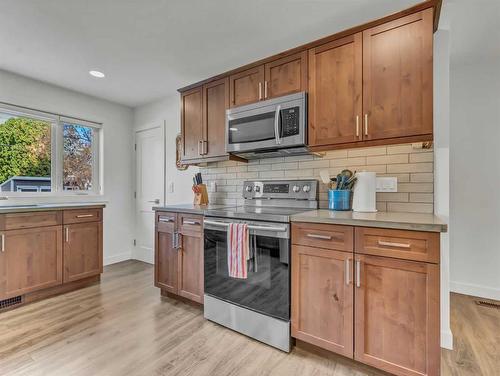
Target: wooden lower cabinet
[[397, 315], [382, 311], [31, 259], [179, 255], [82, 250], [322, 298]]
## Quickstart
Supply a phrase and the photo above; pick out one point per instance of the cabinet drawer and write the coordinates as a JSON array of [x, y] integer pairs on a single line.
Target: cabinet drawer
[[82, 215], [190, 223], [165, 221], [323, 236], [15, 221], [401, 244]]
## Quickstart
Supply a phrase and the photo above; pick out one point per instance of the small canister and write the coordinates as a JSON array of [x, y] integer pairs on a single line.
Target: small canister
[[339, 199]]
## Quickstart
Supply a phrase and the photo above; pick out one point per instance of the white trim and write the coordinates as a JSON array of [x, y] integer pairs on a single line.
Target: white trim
[[475, 290], [143, 255], [117, 258], [447, 339]]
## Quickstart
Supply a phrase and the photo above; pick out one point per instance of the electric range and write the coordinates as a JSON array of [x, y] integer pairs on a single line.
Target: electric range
[[258, 306]]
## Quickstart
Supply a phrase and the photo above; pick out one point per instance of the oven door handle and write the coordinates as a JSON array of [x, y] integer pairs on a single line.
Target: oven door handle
[[250, 227]]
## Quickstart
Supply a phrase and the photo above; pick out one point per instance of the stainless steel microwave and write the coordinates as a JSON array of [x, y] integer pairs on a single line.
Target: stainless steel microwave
[[268, 128]]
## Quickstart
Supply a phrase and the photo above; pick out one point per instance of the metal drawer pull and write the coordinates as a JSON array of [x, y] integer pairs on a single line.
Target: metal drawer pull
[[165, 219], [184, 222], [316, 236], [358, 273], [347, 272], [391, 244], [84, 215], [66, 230], [3, 242]]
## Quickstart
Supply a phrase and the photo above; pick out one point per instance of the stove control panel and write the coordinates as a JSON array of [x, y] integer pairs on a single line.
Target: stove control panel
[[282, 189]]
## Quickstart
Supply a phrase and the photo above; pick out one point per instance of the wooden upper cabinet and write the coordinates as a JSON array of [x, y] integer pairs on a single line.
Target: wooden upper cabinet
[[215, 103], [397, 74], [247, 86], [82, 250], [335, 91], [192, 123], [284, 76], [30, 260], [322, 298], [397, 316]]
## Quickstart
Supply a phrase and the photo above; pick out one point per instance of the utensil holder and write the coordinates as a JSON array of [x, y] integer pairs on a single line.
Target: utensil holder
[[200, 198], [339, 199]]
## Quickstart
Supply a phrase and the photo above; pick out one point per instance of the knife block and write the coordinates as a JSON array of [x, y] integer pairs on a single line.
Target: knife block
[[200, 198]]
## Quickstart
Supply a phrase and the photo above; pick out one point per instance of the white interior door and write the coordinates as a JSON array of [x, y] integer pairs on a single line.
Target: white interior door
[[150, 188]]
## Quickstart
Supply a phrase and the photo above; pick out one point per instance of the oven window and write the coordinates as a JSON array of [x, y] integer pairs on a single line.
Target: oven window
[[267, 288], [252, 128]]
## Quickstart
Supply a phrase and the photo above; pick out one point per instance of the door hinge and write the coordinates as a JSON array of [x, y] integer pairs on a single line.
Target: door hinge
[[135, 242], [135, 147], [135, 194]]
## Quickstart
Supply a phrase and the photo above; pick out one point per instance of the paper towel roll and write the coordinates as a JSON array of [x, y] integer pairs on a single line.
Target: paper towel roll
[[365, 197]]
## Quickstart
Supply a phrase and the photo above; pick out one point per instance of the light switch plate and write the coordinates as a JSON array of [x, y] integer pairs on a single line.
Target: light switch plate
[[387, 184]]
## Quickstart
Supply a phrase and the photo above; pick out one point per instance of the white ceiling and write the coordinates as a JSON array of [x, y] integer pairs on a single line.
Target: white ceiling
[[148, 49]]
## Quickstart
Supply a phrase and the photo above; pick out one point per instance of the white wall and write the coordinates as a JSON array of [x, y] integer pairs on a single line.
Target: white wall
[[167, 112], [475, 178], [116, 155]]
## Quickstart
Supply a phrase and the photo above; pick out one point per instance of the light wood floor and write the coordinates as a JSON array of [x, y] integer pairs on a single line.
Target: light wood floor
[[123, 327]]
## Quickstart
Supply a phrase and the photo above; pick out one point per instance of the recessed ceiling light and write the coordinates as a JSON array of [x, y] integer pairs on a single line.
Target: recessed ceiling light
[[96, 74]]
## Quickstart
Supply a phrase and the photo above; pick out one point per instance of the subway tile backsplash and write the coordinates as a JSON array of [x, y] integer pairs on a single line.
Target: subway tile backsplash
[[413, 166]]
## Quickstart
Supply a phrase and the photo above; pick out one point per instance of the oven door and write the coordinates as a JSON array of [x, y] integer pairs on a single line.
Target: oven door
[[272, 124], [267, 288]]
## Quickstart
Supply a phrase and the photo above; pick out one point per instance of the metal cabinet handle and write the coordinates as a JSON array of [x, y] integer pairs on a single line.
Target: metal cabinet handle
[[165, 219], [173, 240], [347, 272], [316, 236], [66, 232], [84, 215], [358, 273], [200, 152], [260, 91], [187, 222], [357, 125], [391, 244], [157, 201], [204, 147], [179, 241], [265, 89], [3, 242], [277, 125], [366, 124]]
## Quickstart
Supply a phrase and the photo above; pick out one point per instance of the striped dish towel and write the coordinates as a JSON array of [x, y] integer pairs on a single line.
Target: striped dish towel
[[237, 250]]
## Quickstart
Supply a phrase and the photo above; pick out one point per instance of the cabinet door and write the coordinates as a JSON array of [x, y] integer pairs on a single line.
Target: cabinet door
[[322, 298], [30, 260], [192, 123], [166, 255], [82, 250], [286, 76], [335, 87], [215, 103], [397, 315], [247, 86], [397, 77], [191, 257]]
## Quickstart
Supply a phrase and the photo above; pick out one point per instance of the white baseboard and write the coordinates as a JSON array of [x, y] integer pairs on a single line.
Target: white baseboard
[[447, 340], [117, 258], [143, 255], [475, 290]]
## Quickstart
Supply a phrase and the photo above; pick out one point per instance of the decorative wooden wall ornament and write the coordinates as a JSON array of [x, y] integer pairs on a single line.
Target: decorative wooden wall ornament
[[178, 153]]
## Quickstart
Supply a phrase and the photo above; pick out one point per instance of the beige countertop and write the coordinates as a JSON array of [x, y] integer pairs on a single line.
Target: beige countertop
[[393, 220], [5, 209]]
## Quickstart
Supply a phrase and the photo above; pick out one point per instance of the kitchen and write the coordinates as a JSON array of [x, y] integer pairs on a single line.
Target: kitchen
[[329, 159]]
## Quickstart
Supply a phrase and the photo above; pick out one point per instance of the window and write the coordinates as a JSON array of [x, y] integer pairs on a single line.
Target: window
[[42, 153]]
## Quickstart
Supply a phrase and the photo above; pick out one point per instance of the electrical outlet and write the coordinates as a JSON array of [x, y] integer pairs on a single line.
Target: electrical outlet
[[387, 184], [171, 187]]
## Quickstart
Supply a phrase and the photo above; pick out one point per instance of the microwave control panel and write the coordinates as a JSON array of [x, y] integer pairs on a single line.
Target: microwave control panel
[[290, 121]]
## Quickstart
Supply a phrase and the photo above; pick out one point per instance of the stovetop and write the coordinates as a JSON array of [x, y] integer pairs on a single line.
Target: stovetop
[[257, 213]]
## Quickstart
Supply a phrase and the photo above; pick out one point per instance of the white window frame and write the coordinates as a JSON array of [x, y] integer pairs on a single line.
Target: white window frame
[[57, 152]]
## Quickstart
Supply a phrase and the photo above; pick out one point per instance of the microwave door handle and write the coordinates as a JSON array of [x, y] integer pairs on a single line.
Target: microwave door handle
[[277, 125]]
